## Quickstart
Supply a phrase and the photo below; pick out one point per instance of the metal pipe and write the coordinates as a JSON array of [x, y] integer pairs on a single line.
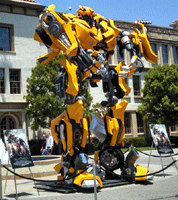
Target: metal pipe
[[94, 177]]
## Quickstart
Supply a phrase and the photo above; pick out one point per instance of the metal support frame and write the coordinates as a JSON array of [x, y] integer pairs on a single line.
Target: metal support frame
[[94, 175], [15, 182]]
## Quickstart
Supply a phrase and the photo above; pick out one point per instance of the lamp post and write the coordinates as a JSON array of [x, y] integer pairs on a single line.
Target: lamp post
[[69, 8]]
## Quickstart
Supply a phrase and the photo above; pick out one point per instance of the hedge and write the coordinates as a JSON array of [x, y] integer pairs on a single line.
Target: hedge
[[137, 142]]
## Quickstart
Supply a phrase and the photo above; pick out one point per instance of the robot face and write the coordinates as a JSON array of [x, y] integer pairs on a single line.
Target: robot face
[[84, 10], [48, 21]]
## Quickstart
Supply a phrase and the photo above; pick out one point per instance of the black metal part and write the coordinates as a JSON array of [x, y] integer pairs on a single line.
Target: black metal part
[[66, 188], [44, 36], [84, 61], [129, 168], [111, 158], [55, 28]]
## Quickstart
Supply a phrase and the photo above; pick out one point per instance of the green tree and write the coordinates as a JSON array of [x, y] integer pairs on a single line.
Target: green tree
[[160, 96], [41, 94], [89, 98], [98, 108]]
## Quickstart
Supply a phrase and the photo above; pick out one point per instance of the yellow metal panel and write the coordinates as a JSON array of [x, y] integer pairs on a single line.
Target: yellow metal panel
[[58, 167], [119, 109], [51, 7], [115, 132], [86, 176], [111, 23], [147, 50], [75, 111], [96, 157], [71, 69], [71, 170], [141, 171], [60, 178], [48, 56], [110, 125], [121, 81], [120, 142], [69, 139], [118, 112], [55, 122], [85, 132]]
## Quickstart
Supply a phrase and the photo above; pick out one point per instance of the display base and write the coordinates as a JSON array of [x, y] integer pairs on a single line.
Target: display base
[[66, 188]]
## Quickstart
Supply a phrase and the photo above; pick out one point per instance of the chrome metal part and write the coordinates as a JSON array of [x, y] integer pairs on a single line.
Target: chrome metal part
[[63, 37], [50, 17], [97, 127]]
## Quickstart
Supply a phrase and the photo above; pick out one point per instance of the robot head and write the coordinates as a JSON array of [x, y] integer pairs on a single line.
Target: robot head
[[84, 10]]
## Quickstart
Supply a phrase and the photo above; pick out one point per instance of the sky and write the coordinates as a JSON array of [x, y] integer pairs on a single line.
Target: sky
[[159, 12]]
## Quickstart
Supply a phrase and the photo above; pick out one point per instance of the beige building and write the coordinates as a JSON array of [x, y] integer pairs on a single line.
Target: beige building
[[164, 42], [18, 53]]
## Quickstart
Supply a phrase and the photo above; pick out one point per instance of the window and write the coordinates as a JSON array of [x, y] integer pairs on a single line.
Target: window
[[14, 76], [2, 84], [173, 128], [153, 46], [175, 54], [7, 123], [136, 85], [6, 37], [120, 55], [164, 54], [140, 124], [127, 122]]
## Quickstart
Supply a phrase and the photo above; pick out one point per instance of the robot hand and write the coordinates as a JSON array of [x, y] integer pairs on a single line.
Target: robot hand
[[124, 73]]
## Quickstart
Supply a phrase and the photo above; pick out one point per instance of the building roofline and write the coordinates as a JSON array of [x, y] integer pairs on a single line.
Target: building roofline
[[151, 28], [22, 3]]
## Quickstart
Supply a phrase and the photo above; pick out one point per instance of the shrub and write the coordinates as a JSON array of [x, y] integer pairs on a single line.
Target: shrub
[[35, 146], [136, 142], [96, 143]]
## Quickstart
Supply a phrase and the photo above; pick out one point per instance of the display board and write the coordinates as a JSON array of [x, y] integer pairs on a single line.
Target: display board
[[160, 138], [18, 148]]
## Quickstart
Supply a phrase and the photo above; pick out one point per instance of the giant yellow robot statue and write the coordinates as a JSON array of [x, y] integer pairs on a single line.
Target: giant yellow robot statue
[[87, 41]]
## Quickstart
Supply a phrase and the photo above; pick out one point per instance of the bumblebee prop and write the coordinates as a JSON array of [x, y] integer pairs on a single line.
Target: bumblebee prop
[[87, 41]]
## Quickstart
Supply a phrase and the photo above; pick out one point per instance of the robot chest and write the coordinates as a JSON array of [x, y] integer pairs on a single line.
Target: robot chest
[[86, 37]]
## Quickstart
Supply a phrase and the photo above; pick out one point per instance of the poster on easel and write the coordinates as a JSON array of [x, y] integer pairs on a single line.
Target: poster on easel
[[18, 148], [160, 138]]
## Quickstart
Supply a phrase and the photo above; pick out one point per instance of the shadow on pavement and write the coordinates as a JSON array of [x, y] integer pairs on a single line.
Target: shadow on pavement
[[21, 194]]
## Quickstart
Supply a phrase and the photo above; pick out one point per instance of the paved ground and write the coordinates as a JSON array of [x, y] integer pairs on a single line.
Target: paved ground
[[162, 187]]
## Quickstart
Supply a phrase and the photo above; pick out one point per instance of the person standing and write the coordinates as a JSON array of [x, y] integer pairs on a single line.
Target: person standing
[[49, 143], [43, 148]]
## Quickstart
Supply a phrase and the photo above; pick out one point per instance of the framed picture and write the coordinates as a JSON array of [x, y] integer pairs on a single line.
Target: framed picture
[[18, 148], [160, 138]]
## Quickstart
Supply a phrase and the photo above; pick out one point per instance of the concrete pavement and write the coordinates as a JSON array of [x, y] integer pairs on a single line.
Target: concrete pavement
[[27, 191]]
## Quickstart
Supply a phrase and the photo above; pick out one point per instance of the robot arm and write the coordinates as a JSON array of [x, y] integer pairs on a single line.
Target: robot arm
[[138, 45], [125, 42]]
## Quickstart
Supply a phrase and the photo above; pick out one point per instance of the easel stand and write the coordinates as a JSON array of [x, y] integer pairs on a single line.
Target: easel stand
[[160, 155], [15, 182]]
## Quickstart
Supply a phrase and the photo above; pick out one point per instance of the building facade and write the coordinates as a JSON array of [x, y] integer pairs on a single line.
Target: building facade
[[18, 53], [164, 42]]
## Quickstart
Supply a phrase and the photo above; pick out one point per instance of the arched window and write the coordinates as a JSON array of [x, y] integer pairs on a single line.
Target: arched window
[[7, 123]]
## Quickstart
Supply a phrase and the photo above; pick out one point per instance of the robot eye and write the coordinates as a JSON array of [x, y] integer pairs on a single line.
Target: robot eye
[[84, 9]]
